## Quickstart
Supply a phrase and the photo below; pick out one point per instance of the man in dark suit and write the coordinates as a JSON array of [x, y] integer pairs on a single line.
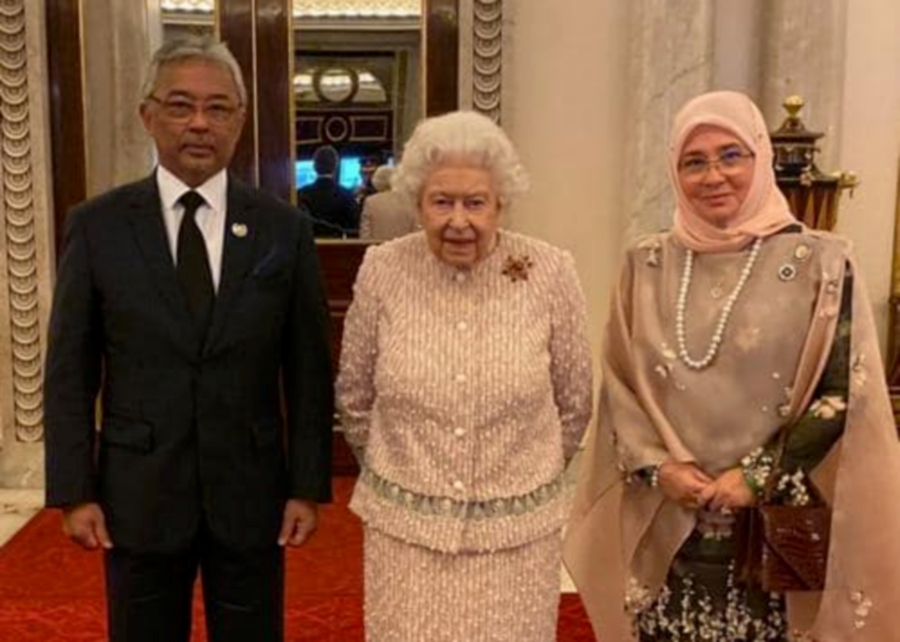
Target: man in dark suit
[[331, 205], [192, 305]]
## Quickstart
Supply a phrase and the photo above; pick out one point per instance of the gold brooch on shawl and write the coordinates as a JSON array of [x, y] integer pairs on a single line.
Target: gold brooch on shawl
[[516, 267]]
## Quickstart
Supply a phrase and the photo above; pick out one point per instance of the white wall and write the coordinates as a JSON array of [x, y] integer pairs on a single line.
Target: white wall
[[870, 140], [564, 108]]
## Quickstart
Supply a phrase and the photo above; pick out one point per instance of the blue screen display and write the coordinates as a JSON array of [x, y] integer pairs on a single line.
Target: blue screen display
[[304, 174], [348, 173]]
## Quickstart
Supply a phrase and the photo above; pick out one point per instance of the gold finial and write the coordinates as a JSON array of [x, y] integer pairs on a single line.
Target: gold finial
[[848, 180], [793, 105]]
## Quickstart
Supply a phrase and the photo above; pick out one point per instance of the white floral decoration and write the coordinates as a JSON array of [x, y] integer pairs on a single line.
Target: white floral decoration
[[828, 406], [637, 597], [652, 248], [858, 370]]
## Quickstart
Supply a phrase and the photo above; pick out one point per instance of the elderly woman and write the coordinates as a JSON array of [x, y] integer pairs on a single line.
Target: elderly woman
[[734, 326], [465, 387], [388, 213]]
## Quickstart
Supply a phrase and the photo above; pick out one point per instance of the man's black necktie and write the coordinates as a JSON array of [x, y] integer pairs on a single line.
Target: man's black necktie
[[192, 266]]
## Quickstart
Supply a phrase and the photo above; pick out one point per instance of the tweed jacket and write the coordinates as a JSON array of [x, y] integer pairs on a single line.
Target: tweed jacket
[[465, 392]]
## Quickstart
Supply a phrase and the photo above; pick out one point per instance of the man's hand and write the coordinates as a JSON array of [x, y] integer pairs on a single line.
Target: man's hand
[[84, 524], [683, 483], [301, 518], [728, 491]]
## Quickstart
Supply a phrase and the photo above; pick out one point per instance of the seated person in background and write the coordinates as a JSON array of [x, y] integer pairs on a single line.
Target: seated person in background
[[386, 214], [332, 207]]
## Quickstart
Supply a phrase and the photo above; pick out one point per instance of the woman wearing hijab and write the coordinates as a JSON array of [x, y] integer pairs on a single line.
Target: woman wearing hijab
[[465, 387], [737, 323]]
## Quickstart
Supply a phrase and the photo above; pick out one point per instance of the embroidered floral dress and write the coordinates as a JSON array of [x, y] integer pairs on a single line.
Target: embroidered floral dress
[[702, 600], [721, 415]]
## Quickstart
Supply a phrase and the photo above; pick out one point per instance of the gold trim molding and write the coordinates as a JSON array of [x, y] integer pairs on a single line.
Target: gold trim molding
[[487, 57], [17, 185], [317, 8]]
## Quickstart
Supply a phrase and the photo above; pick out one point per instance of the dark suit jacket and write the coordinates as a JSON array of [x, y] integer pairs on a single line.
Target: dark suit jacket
[[329, 202], [189, 431]]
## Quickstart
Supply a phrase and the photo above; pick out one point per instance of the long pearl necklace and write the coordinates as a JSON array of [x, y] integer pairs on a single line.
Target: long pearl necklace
[[680, 331]]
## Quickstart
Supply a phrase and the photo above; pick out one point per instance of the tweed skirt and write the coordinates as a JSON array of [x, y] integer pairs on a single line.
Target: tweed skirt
[[414, 594]]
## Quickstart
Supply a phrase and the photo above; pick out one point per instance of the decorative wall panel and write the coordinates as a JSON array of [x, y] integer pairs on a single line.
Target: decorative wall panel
[[487, 55], [319, 8], [16, 183]]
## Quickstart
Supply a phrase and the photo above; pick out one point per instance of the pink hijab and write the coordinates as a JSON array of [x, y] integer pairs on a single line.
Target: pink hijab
[[764, 211]]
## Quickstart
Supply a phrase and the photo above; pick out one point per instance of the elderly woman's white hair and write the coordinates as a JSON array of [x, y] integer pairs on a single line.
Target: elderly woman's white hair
[[463, 137]]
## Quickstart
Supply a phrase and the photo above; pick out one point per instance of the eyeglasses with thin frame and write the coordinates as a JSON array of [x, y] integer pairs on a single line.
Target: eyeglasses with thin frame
[[181, 110], [729, 163]]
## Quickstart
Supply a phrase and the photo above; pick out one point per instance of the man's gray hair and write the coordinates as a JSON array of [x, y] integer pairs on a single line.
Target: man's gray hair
[[460, 137], [193, 48]]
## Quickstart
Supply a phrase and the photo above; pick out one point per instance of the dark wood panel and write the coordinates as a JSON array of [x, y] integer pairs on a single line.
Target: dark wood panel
[[66, 109], [893, 354], [339, 262], [274, 96], [235, 27], [441, 56]]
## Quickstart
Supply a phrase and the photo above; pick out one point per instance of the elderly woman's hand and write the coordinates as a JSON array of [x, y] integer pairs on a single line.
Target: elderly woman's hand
[[728, 491], [683, 483]]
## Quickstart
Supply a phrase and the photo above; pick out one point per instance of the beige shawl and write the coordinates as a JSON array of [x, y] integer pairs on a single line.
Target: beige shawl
[[622, 537]]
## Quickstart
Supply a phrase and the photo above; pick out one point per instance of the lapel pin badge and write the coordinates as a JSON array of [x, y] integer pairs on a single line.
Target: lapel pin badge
[[239, 230]]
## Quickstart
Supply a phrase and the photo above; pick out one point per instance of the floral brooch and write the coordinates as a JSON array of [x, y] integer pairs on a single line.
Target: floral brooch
[[516, 267]]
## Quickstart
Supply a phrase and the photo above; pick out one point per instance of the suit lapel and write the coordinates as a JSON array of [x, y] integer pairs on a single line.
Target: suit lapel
[[150, 232], [237, 255]]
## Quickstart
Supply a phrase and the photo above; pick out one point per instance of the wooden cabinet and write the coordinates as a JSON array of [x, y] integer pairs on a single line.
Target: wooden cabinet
[[339, 262]]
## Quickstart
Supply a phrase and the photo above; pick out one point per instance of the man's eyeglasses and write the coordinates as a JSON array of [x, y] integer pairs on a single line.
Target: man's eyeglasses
[[728, 163], [183, 110]]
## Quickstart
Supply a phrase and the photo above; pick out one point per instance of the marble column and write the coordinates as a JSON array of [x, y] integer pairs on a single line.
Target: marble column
[[25, 240], [739, 39], [803, 52], [670, 61], [118, 39]]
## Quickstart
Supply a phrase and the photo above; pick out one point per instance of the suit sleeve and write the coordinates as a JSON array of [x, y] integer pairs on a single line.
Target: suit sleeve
[[72, 375], [308, 378]]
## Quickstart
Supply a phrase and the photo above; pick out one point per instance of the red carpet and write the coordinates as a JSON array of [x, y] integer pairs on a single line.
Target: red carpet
[[52, 591]]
